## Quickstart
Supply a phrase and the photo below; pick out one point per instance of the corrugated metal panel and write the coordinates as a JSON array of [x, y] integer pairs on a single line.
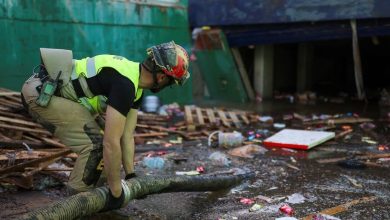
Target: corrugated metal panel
[[238, 12], [88, 28]]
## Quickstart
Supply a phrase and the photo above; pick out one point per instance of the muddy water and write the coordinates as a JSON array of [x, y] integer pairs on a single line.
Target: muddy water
[[322, 185], [279, 173]]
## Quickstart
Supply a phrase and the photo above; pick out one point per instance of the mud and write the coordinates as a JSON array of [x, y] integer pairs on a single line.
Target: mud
[[279, 173]]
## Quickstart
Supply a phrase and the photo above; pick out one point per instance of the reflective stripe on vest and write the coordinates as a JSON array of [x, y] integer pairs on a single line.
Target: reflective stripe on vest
[[89, 67]]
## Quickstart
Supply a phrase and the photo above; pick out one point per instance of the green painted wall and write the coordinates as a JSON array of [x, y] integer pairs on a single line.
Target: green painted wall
[[88, 27], [220, 73]]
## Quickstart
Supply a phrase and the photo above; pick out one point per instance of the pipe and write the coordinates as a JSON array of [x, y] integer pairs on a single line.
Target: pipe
[[87, 203]]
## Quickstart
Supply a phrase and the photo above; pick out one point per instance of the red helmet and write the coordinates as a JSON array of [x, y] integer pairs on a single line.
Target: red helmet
[[172, 59]]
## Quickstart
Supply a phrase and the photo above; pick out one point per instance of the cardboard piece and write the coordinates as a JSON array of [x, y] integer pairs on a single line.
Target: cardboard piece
[[298, 139]]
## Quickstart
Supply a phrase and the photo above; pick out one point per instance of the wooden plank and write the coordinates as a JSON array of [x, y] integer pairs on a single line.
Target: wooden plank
[[244, 118], [13, 103], [15, 99], [188, 115], [363, 157], [210, 115], [3, 108], [19, 121], [14, 115], [9, 93], [53, 142], [243, 73], [236, 122], [10, 143], [339, 121], [36, 130], [159, 128], [199, 116], [33, 139], [357, 62], [342, 208], [3, 137], [24, 155], [223, 118], [154, 134], [20, 167]]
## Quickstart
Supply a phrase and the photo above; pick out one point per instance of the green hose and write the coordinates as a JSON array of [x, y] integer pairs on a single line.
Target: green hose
[[87, 203]]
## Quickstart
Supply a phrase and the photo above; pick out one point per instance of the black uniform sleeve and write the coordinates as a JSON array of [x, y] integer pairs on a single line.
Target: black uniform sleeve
[[119, 90], [121, 96], [138, 103]]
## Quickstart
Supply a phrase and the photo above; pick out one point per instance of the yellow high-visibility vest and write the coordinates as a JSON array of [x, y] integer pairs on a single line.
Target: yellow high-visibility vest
[[90, 67]]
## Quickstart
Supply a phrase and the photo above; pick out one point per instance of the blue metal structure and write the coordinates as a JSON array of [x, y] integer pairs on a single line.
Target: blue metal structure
[[252, 22], [238, 12]]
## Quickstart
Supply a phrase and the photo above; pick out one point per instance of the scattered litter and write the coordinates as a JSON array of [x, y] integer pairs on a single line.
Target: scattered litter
[[179, 140], [291, 166], [187, 173], [219, 159], [29, 150], [289, 150], [299, 139], [247, 151], [240, 188], [353, 181], [239, 171], [286, 209], [200, 169], [227, 139], [295, 198], [346, 127], [384, 160], [264, 198], [383, 147], [324, 217], [286, 218], [279, 125], [293, 159], [255, 207], [272, 188], [367, 126], [288, 117], [150, 103], [341, 208], [368, 140], [266, 119], [247, 201], [154, 162]]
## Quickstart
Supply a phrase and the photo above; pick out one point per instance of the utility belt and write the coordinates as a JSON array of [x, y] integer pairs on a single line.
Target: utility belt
[[56, 75]]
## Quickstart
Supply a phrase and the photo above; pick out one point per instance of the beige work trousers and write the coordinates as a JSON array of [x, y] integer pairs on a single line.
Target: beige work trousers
[[73, 124]]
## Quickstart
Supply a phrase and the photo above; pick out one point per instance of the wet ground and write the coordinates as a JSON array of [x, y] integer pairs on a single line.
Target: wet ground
[[280, 173]]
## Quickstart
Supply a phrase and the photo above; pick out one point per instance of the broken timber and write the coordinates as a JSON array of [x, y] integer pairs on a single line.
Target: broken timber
[[208, 117], [93, 201]]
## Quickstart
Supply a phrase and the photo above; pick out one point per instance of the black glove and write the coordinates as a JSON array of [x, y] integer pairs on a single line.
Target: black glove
[[130, 175], [112, 202]]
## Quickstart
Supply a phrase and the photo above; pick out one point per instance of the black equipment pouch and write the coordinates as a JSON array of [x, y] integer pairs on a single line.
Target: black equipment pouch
[[49, 87]]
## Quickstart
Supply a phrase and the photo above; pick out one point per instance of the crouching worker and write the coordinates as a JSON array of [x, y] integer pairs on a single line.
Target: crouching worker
[[66, 96]]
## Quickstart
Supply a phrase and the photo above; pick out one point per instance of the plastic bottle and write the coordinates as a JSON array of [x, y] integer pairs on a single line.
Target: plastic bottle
[[154, 162], [151, 103], [228, 139], [219, 159]]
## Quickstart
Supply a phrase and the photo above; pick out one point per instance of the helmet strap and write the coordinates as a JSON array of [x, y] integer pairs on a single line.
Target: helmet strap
[[154, 74]]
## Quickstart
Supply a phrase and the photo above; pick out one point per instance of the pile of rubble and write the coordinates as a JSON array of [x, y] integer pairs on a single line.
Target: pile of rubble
[[27, 148]]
